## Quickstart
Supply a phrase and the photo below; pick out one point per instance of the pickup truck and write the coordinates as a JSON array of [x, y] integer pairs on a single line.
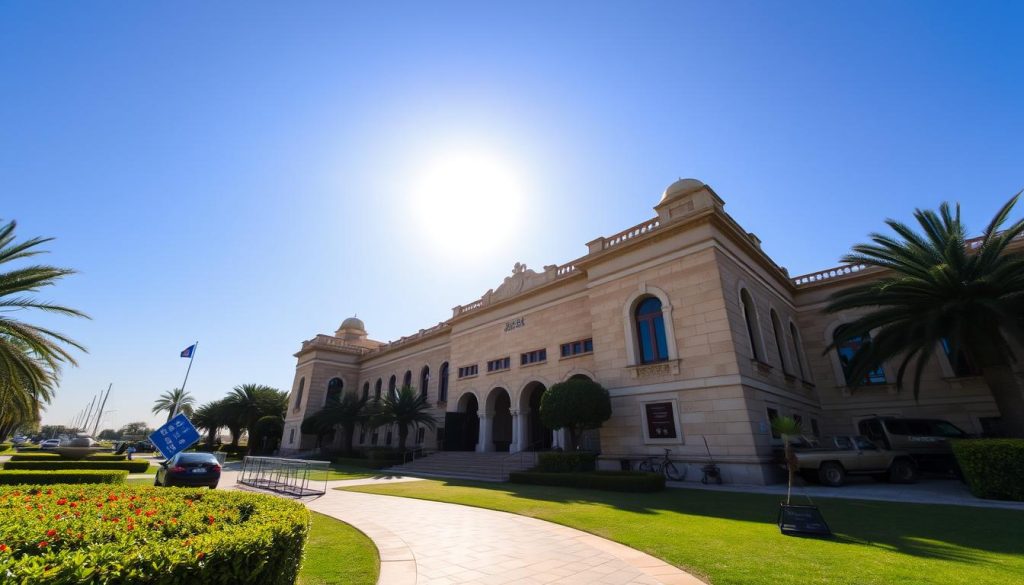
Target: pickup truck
[[831, 460]]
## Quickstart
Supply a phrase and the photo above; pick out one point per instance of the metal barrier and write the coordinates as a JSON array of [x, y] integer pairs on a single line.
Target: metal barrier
[[296, 477]]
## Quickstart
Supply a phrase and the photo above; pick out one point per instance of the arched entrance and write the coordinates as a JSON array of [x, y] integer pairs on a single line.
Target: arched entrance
[[498, 437], [536, 437], [462, 428]]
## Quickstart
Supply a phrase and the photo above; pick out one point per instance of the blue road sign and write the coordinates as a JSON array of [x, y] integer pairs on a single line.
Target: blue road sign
[[175, 436]]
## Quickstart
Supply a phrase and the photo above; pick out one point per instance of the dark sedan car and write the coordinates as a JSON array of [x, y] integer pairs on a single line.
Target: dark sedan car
[[189, 469]]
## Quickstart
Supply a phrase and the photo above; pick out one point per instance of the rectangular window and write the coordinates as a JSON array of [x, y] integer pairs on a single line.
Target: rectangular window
[[577, 347], [420, 435], [814, 428], [533, 357], [466, 371], [499, 364], [772, 415]]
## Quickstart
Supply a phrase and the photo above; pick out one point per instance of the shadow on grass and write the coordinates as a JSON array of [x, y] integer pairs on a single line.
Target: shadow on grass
[[955, 533]]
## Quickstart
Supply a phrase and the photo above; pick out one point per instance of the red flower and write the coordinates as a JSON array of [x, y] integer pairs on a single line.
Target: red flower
[[209, 519], [3, 548], [200, 555], [74, 504], [51, 533], [43, 544], [62, 501]]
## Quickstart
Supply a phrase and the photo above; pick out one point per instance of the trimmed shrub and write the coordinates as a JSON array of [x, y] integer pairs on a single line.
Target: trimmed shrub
[[992, 468], [143, 535], [566, 462], [18, 477], [129, 466], [6, 446], [613, 481], [57, 457]]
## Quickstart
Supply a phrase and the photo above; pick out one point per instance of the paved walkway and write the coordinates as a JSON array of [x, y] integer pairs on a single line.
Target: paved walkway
[[434, 543]]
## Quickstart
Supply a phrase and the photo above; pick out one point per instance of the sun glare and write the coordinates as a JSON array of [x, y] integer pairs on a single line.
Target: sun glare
[[468, 203]]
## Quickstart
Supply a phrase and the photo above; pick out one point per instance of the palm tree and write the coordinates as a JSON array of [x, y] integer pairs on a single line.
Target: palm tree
[[788, 428], [173, 402], [209, 417], [938, 289], [404, 409], [30, 356], [347, 413], [250, 402]]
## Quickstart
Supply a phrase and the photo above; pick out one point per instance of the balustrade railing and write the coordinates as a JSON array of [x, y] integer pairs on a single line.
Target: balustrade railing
[[628, 234]]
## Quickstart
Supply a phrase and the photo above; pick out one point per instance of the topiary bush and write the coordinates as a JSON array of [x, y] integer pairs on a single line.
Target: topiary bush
[[123, 535], [613, 481], [129, 466], [18, 477], [58, 457], [566, 462], [992, 468]]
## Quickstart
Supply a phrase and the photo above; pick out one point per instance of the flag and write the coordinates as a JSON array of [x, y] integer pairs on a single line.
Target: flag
[[187, 352]]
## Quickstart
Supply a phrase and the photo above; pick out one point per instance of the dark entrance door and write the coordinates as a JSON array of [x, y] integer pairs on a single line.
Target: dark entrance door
[[540, 436], [462, 429]]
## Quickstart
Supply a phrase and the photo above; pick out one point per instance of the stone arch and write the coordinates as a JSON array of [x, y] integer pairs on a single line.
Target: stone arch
[[751, 319], [833, 354], [629, 322], [496, 422], [462, 427], [579, 372], [533, 435], [335, 388]]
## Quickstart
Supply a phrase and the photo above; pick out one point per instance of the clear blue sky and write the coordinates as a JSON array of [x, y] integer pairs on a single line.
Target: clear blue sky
[[243, 173]]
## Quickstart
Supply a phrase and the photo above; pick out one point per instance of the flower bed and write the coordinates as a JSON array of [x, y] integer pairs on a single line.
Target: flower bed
[[18, 477], [143, 535], [129, 466]]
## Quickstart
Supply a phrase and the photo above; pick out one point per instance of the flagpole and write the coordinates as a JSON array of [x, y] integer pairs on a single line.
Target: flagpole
[[195, 348]]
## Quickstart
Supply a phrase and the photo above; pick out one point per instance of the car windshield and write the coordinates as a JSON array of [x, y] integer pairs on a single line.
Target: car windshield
[[196, 458]]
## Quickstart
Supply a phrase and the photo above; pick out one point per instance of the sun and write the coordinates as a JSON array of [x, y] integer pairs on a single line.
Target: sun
[[468, 203]]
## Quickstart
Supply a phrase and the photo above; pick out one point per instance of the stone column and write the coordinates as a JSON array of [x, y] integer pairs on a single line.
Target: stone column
[[515, 446], [485, 442]]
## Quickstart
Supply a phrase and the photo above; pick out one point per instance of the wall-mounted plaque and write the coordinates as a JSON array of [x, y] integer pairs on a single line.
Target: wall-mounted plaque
[[661, 420], [515, 324]]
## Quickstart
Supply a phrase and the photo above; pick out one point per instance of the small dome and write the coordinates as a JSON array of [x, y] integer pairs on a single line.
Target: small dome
[[681, 187], [353, 323]]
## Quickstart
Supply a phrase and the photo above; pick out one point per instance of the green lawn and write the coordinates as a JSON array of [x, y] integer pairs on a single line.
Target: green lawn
[[341, 471], [728, 538], [336, 553]]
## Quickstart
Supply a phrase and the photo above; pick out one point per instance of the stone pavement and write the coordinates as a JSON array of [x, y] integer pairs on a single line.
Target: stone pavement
[[434, 543]]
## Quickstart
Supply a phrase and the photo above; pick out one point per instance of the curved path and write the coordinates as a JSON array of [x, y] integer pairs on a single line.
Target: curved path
[[435, 543]]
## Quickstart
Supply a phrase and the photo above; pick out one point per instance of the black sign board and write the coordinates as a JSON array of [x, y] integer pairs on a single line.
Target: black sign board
[[802, 520], [661, 420]]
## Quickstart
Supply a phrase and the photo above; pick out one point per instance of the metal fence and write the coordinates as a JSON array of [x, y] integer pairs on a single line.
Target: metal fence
[[296, 477]]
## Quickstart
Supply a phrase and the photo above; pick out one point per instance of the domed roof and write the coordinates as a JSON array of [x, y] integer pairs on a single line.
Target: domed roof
[[353, 323], [681, 187]]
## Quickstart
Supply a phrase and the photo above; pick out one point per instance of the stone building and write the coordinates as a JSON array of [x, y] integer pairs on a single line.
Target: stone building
[[697, 334]]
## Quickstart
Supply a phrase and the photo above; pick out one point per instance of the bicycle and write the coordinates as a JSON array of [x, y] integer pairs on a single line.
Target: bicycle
[[663, 466]]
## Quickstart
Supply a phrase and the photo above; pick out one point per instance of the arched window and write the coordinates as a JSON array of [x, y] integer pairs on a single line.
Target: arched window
[[424, 380], [392, 385], [750, 320], [442, 385], [849, 348], [794, 337], [298, 393], [407, 378], [334, 388], [780, 344], [376, 388], [366, 390], [650, 331]]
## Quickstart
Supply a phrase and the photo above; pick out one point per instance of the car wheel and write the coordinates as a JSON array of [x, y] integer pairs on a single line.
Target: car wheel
[[213, 486], [831, 474], [903, 471], [156, 482]]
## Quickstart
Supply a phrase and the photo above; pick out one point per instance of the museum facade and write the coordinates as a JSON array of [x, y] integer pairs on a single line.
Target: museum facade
[[700, 338]]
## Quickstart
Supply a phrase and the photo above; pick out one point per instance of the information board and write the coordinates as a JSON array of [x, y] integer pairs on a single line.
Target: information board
[[175, 436], [805, 520]]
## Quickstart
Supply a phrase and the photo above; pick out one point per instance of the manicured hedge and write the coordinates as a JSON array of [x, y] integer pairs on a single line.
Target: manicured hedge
[[613, 481], [19, 477], [992, 468], [129, 466], [566, 462], [6, 446], [58, 457], [143, 535]]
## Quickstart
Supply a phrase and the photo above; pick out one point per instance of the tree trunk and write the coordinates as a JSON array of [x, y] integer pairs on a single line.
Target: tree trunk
[[403, 434], [347, 431], [573, 438], [1009, 397]]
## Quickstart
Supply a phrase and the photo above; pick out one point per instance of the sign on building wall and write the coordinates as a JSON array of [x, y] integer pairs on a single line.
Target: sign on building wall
[[660, 422], [515, 324]]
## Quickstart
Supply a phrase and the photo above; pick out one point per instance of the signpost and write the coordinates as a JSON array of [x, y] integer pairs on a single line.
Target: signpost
[[175, 436], [796, 520]]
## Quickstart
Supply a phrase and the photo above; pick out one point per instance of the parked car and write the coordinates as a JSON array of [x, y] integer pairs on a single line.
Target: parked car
[[145, 447], [926, 439], [50, 444], [189, 469], [831, 460]]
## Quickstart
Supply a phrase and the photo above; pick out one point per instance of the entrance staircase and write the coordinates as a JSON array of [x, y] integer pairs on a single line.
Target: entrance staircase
[[468, 465]]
